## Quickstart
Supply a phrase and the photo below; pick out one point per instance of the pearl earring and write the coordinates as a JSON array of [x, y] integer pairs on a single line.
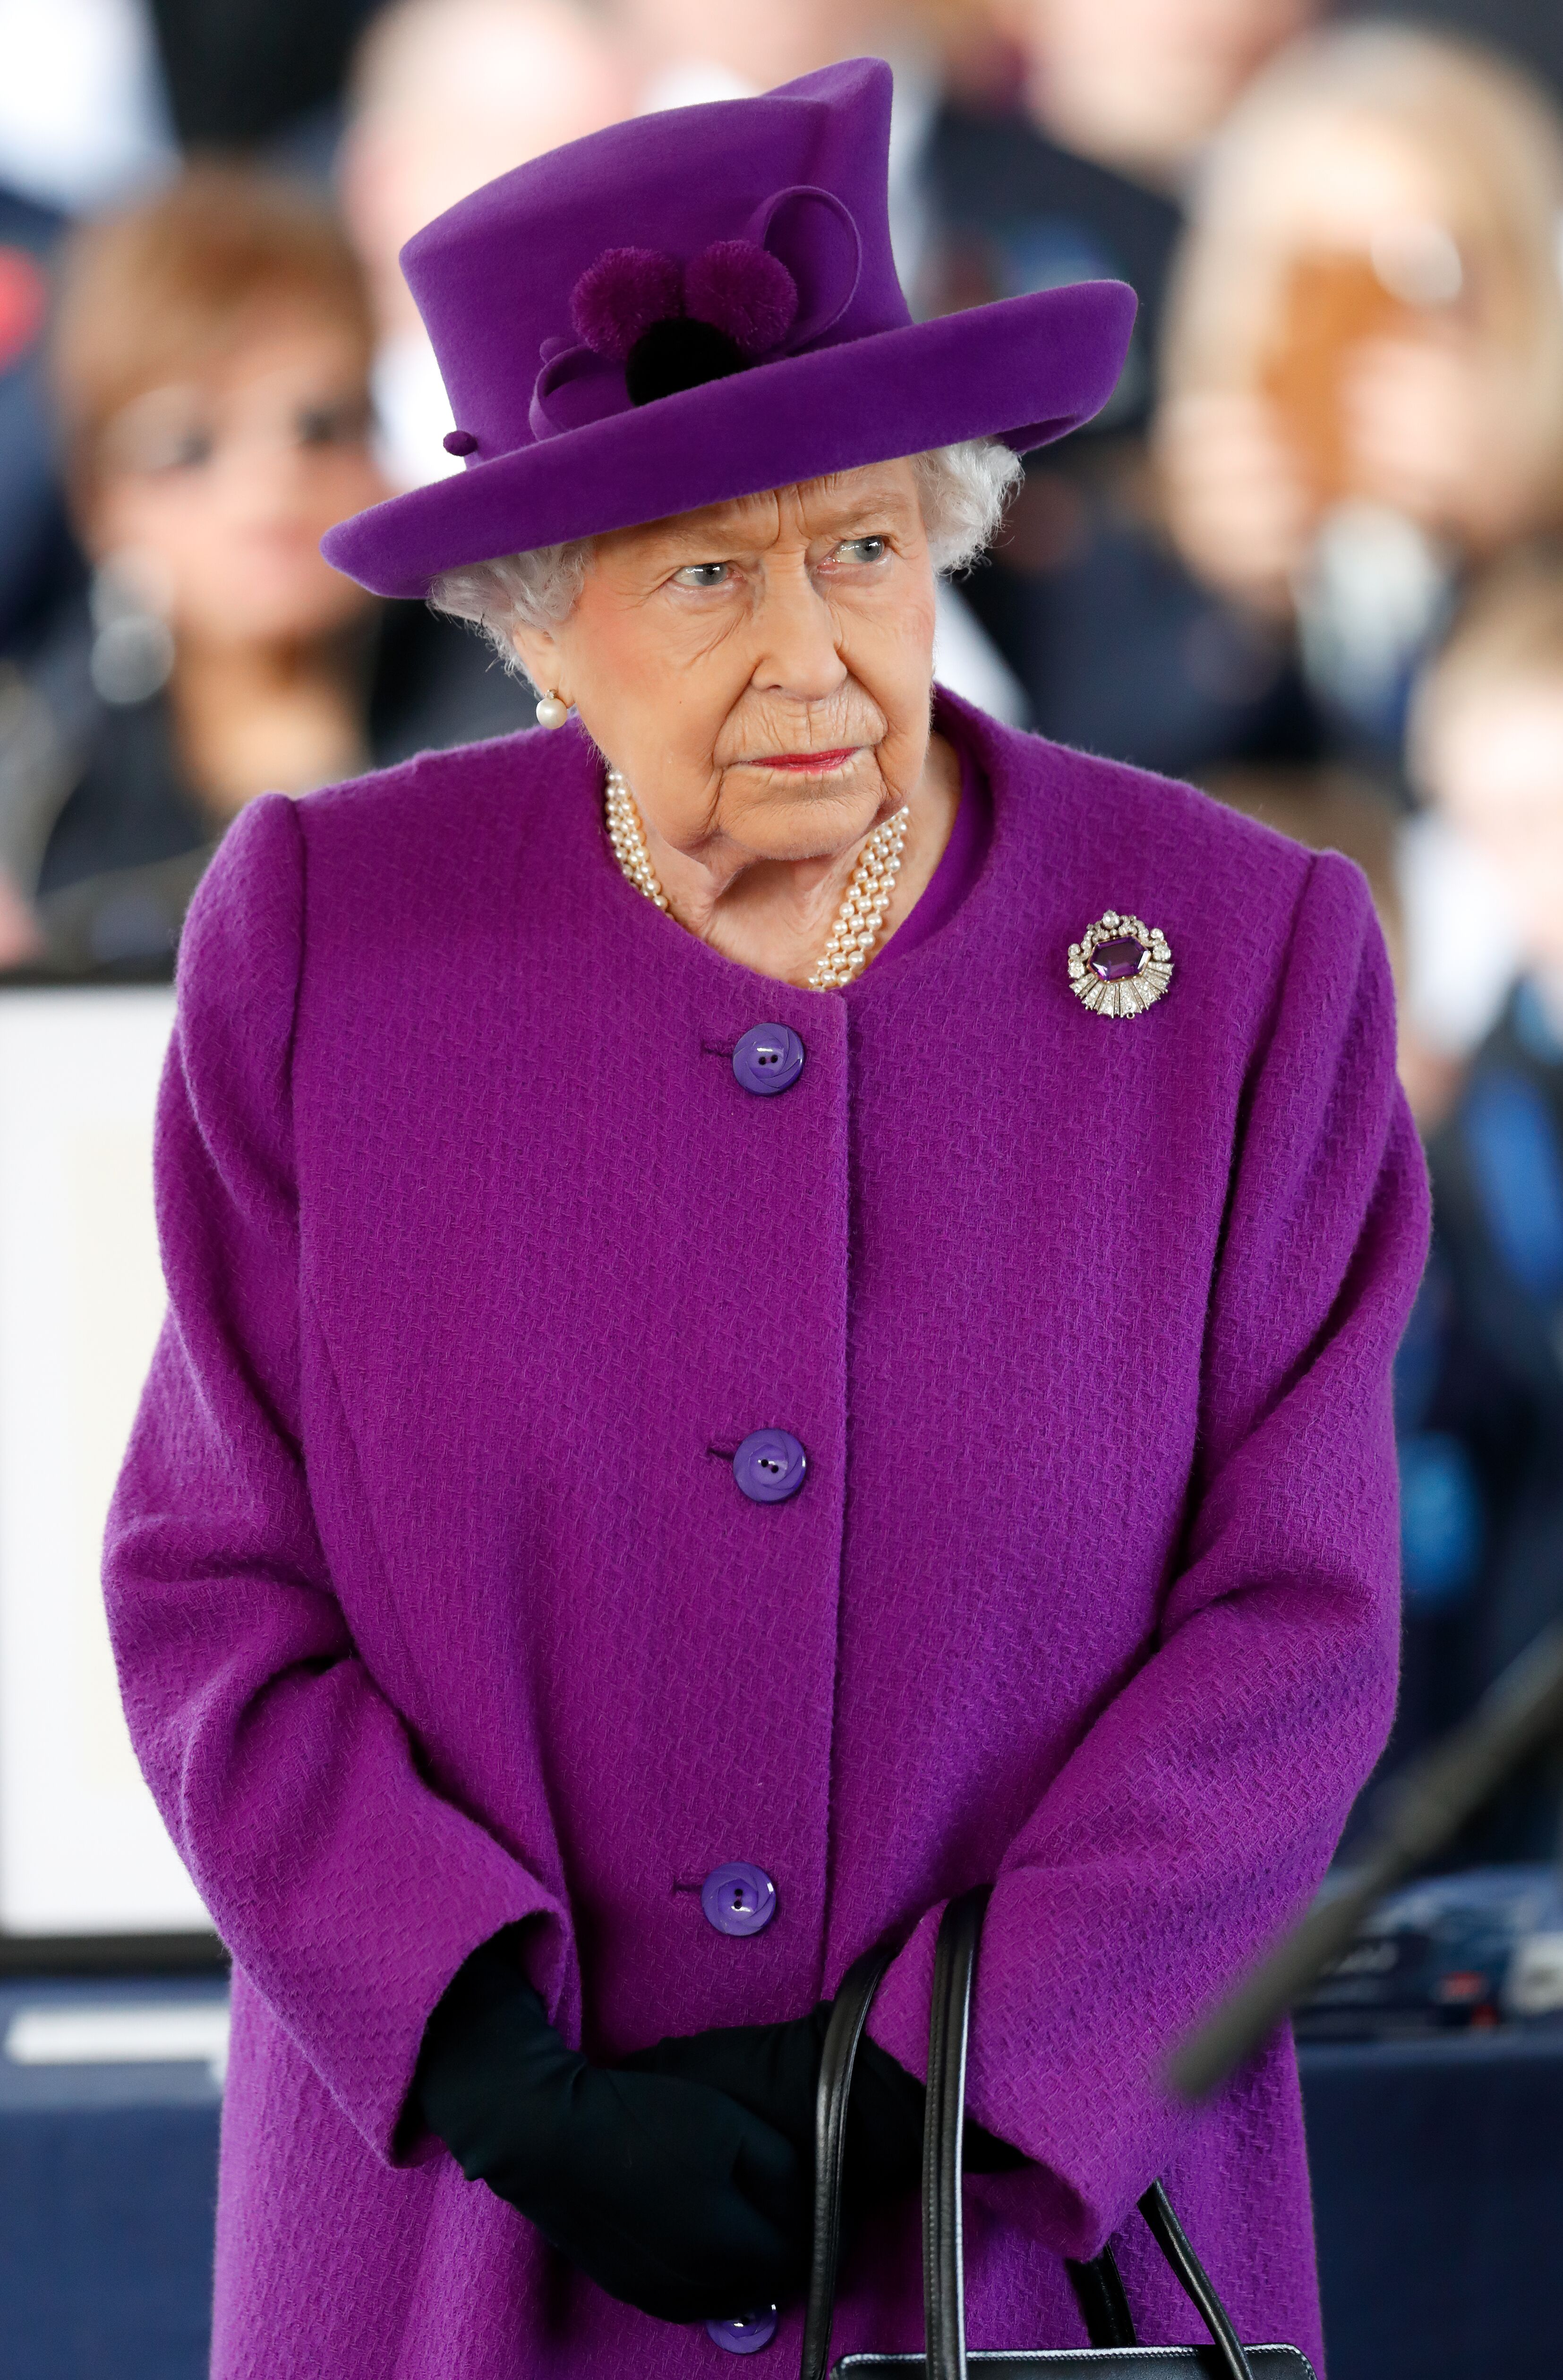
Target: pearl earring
[[551, 712]]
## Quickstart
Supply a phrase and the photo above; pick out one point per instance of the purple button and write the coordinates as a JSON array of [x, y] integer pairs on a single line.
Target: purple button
[[748, 2333], [769, 1467], [768, 1059], [738, 1899]]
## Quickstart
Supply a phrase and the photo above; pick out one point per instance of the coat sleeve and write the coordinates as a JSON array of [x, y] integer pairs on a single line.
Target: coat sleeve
[[344, 1886], [1198, 1815]]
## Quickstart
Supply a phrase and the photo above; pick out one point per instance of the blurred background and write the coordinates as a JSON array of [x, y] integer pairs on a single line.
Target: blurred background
[[1311, 556]]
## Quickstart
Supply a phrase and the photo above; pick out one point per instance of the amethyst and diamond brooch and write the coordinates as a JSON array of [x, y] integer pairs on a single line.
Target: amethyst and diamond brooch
[[1120, 967]]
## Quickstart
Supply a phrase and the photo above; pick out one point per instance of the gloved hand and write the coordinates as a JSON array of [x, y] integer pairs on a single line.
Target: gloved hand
[[773, 2069], [667, 2194]]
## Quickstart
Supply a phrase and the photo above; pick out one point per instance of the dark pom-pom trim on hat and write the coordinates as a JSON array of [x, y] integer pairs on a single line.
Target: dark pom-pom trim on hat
[[744, 291], [617, 299], [672, 357]]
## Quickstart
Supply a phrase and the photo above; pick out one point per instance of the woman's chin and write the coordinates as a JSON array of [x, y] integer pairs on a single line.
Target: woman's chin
[[808, 818], [791, 813]]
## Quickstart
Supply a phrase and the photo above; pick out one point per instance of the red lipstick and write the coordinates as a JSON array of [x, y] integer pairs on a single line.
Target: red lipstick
[[806, 764]]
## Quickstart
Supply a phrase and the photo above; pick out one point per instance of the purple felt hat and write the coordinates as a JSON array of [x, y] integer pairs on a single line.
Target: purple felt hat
[[695, 306]]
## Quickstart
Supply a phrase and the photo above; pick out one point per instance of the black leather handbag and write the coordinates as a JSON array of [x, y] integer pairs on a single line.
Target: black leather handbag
[[1114, 2354]]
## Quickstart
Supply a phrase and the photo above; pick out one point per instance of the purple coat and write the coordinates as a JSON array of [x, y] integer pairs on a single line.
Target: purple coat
[[436, 1603]]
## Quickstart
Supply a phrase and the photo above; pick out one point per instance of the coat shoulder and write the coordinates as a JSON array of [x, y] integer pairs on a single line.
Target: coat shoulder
[[461, 789], [427, 848], [1245, 908], [1107, 813]]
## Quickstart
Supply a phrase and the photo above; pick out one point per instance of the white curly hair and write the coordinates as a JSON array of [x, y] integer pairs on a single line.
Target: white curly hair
[[963, 491]]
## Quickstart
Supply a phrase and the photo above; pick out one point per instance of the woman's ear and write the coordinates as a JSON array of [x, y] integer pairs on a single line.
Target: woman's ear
[[539, 654]]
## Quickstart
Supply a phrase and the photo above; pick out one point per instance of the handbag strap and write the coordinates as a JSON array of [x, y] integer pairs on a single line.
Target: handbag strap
[[1198, 2287], [849, 2014], [943, 2275], [1098, 2292], [1097, 2283]]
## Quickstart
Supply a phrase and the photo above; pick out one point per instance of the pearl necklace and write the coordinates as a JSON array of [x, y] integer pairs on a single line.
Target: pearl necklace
[[859, 920]]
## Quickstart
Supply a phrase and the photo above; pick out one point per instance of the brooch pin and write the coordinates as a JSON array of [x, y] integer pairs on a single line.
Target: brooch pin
[[1120, 967]]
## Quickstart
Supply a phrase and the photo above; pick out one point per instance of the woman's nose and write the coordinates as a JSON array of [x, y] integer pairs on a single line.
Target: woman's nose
[[797, 640]]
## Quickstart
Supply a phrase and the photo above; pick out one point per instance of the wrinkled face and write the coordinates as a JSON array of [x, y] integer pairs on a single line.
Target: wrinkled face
[[217, 491], [1494, 763], [761, 671]]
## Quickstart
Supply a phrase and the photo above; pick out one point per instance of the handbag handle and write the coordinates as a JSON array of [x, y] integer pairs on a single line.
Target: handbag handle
[[944, 2272], [943, 2278], [849, 2014], [1097, 2283]]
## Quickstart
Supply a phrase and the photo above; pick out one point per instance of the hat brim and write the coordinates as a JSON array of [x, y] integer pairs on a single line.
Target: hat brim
[[1025, 370]]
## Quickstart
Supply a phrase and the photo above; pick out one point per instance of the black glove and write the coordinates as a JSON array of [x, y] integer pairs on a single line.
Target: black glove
[[773, 2069], [669, 2196]]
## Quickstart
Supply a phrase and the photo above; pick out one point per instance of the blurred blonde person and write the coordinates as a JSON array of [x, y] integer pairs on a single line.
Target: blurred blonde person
[[1363, 367], [1118, 650], [446, 95]]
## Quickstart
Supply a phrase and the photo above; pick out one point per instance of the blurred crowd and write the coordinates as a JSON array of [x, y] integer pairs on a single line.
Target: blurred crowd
[[1311, 555]]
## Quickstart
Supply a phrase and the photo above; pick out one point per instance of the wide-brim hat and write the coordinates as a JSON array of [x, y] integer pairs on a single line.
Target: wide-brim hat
[[695, 306]]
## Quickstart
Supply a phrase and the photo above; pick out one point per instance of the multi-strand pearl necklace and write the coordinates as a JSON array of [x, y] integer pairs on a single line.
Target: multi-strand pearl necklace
[[859, 920], [629, 844]]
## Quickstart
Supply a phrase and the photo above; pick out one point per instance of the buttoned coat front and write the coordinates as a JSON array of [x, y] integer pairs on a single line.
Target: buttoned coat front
[[436, 1603]]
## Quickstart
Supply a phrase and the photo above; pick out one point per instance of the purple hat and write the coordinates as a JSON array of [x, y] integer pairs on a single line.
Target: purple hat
[[695, 306]]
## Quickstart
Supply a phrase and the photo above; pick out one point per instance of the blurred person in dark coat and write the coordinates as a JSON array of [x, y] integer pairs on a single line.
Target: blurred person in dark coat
[[243, 73], [1480, 1377], [1364, 379], [1077, 164], [1117, 100], [209, 355]]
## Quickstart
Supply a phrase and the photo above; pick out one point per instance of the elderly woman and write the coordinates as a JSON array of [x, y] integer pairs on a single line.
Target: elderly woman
[[775, 1311]]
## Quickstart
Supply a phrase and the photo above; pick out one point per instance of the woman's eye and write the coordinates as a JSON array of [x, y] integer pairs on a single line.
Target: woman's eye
[[863, 549], [703, 574], [181, 450], [330, 425]]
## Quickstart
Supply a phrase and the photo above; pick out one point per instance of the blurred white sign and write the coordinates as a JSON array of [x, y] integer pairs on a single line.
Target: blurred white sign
[[1459, 937], [191, 2033], [83, 1850], [83, 116]]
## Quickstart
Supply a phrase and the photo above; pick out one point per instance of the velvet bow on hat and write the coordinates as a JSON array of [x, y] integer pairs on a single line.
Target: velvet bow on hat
[[696, 305]]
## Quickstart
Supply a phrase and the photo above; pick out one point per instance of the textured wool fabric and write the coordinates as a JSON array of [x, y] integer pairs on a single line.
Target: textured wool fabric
[[437, 1607], [511, 284]]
